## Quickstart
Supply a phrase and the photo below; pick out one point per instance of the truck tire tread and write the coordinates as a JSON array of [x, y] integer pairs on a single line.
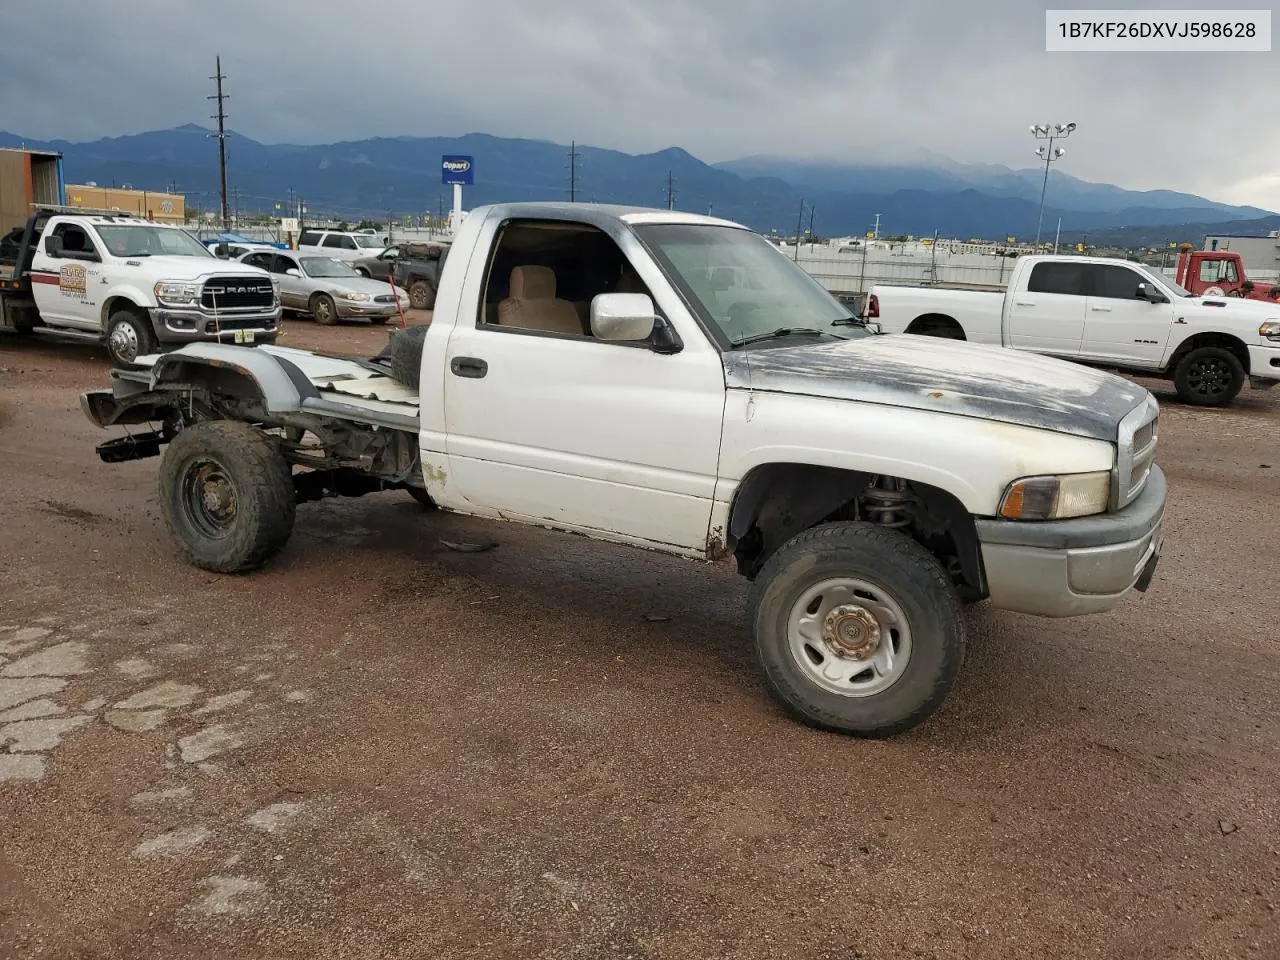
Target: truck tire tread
[[266, 503], [405, 348], [920, 586]]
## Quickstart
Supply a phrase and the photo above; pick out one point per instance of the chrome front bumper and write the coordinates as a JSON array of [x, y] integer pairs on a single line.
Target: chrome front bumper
[[1066, 568], [188, 326]]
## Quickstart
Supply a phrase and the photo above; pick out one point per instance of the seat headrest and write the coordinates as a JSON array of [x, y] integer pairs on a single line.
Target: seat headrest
[[533, 283]]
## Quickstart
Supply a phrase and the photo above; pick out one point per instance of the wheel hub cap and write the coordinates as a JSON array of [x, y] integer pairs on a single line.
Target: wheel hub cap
[[851, 631], [124, 342]]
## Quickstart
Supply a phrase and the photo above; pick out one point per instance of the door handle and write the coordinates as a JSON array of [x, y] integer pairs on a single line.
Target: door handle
[[472, 367], [1100, 309], [1023, 303]]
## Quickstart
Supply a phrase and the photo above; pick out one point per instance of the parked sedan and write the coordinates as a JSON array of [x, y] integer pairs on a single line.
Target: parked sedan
[[328, 289], [378, 267]]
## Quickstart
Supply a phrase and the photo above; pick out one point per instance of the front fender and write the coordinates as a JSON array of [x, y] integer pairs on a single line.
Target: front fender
[[135, 295]]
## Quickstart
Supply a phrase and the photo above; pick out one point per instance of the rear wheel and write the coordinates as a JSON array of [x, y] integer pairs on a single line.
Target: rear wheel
[[857, 629], [1209, 377], [227, 496], [422, 295], [405, 349], [323, 309], [129, 336]]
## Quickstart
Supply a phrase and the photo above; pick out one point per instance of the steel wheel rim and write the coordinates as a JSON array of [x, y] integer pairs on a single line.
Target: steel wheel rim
[[849, 637], [322, 309], [1209, 377], [124, 342], [209, 498], [418, 297]]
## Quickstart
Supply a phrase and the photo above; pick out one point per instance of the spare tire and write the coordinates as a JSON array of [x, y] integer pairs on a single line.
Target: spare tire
[[405, 349]]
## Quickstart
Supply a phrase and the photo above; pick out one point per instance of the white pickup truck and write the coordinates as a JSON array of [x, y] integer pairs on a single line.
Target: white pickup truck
[[1103, 312], [673, 382], [129, 283]]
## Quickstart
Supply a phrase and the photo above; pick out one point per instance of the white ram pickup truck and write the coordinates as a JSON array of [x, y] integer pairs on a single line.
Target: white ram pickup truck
[[132, 284], [673, 382], [1106, 313]]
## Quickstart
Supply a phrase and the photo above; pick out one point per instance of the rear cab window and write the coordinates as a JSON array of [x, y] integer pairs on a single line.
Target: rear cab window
[[1060, 278]]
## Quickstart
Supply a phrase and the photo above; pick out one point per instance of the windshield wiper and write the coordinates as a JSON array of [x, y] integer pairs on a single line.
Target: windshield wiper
[[778, 334], [849, 321]]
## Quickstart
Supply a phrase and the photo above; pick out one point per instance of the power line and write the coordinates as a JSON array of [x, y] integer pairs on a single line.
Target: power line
[[221, 117]]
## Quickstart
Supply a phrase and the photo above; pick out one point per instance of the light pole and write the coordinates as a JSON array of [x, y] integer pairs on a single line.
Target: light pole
[[1048, 153]]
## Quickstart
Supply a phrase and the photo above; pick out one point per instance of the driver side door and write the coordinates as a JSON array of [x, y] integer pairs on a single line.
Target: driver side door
[[1120, 324], [65, 286]]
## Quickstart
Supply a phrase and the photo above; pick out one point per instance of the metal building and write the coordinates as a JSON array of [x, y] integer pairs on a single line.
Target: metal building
[[1260, 254]]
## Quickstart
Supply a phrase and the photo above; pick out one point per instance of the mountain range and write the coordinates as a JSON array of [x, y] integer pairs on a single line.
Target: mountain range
[[400, 175]]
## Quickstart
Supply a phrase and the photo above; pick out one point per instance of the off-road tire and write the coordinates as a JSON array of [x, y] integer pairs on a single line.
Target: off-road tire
[[262, 485], [1225, 386], [902, 569], [405, 348], [422, 295], [323, 309], [136, 329], [422, 497]]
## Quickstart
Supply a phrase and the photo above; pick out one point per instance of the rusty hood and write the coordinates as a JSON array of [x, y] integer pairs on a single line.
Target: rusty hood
[[946, 376]]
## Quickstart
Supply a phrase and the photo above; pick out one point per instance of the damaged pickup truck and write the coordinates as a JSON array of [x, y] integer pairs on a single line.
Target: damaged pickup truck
[[673, 382]]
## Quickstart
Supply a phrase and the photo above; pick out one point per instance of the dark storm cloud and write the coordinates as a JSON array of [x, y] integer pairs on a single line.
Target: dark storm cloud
[[722, 78]]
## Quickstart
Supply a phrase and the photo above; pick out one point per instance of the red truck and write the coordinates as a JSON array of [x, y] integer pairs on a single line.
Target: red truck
[[1220, 273]]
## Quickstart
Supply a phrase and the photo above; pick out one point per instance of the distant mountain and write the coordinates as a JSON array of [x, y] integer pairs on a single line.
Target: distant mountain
[[401, 175]]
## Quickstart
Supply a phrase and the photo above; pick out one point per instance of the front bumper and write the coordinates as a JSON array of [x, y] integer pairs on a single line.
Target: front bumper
[[1264, 363], [189, 326], [1066, 568], [349, 310]]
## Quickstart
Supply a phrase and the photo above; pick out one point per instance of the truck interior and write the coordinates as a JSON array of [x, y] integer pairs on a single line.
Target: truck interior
[[543, 276]]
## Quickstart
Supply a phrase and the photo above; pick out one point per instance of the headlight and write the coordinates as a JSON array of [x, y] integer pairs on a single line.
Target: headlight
[[1270, 330], [174, 291], [353, 296], [1057, 497]]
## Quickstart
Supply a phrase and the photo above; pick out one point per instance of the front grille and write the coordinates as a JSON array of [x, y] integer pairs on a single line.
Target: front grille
[[1138, 438], [1143, 436], [384, 298], [237, 293]]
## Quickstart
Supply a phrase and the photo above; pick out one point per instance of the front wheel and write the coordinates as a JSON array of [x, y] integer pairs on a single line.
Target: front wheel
[[227, 496], [422, 295], [323, 309], [858, 629], [1209, 377], [129, 336]]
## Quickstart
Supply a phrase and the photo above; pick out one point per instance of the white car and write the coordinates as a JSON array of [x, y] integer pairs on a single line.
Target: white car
[[1104, 312], [328, 289], [339, 244], [674, 382]]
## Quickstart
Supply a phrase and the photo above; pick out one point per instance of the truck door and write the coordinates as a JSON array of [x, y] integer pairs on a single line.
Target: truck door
[[546, 422], [1121, 324], [1047, 316], [65, 287]]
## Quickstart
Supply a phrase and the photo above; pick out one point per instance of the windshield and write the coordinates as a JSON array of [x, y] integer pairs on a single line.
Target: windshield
[[741, 285], [369, 242], [325, 267], [1164, 282], [148, 241]]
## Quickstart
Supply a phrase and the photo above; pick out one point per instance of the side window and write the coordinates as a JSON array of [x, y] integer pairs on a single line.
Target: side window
[[543, 275], [1115, 283], [1230, 274], [74, 239], [309, 238], [1050, 277], [1210, 271], [283, 263], [262, 260], [332, 240], [348, 243]]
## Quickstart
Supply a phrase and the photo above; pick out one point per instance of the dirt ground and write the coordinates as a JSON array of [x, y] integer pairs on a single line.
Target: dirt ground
[[378, 747]]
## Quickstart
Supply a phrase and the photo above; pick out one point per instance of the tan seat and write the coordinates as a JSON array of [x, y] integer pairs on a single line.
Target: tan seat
[[533, 304]]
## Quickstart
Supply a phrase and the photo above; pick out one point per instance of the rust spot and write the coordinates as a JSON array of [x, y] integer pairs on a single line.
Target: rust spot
[[937, 394], [715, 544]]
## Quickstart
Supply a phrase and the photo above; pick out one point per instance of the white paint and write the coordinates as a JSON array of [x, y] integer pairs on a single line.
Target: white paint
[[22, 639], [135, 721], [223, 702], [175, 841], [14, 692], [28, 736], [230, 895], [165, 694], [17, 766], [61, 660], [209, 742], [275, 818], [31, 710]]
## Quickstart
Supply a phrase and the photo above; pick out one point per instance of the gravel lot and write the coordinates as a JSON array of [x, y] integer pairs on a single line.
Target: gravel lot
[[377, 747]]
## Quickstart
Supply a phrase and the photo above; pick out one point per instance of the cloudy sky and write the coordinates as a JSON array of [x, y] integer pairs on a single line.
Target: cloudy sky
[[721, 78]]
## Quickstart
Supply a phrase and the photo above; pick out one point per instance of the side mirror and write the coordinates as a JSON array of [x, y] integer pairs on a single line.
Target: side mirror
[[1151, 294], [293, 272], [626, 317], [53, 246]]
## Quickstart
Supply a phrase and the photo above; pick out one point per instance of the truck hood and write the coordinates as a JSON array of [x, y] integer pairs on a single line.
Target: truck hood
[[944, 376], [164, 267], [1233, 307]]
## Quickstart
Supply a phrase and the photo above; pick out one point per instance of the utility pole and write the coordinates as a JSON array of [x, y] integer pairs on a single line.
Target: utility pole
[[810, 225], [236, 206], [1048, 154], [1056, 237], [671, 191], [875, 231], [799, 224], [573, 171], [221, 117]]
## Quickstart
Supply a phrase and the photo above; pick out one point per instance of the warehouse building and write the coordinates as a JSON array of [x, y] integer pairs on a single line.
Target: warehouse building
[[161, 207], [1261, 255]]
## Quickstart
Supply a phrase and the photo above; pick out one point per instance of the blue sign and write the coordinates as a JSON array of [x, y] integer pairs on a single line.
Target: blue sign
[[457, 170]]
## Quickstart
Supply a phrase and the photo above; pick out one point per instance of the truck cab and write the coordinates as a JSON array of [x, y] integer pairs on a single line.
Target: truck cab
[[1220, 273], [133, 284]]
